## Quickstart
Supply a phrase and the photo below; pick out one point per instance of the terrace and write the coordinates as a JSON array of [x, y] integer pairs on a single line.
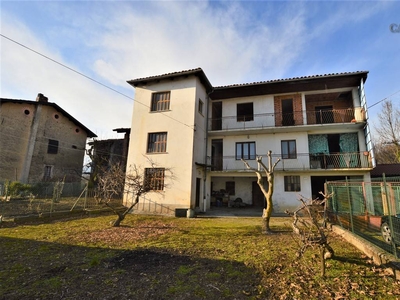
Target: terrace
[[299, 118], [302, 162]]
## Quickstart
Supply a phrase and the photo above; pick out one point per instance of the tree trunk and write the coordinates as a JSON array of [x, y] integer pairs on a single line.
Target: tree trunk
[[265, 222], [118, 221], [269, 172]]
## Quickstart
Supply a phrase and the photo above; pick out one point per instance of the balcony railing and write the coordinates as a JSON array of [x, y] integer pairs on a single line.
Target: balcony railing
[[268, 120], [303, 161]]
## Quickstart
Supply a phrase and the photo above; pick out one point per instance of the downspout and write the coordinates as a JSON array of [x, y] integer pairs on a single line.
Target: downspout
[[205, 153]]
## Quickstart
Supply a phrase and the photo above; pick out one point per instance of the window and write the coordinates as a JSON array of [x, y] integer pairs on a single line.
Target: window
[[201, 104], [52, 147], [292, 183], [245, 112], [160, 101], [47, 172], [154, 179], [246, 150], [230, 187], [157, 142], [288, 149]]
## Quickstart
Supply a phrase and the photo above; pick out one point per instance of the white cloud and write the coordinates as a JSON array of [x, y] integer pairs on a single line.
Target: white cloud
[[225, 41]]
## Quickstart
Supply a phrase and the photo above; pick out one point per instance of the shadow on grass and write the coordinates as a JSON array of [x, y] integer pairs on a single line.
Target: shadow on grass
[[351, 260], [44, 270]]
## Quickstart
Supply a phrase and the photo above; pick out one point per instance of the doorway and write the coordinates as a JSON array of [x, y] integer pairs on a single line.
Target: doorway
[[216, 154], [324, 114], [258, 199], [216, 123], [198, 188], [287, 112]]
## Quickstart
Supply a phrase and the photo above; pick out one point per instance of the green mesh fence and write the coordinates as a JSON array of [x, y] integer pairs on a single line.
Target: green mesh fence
[[368, 209], [41, 198]]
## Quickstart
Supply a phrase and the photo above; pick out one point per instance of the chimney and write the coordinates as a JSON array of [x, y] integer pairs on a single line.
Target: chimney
[[41, 98]]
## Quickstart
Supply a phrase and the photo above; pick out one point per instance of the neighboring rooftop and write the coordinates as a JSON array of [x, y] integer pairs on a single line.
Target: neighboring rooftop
[[389, 170], [43, 100]]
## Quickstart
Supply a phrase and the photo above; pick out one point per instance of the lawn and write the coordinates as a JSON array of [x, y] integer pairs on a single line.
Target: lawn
[[179, 258]]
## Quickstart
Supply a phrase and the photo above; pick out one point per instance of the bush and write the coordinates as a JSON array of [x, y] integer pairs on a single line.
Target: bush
[[18, 189]]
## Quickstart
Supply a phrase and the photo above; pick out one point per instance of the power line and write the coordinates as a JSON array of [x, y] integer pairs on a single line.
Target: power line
[[383, 99], [88, 77], [122, 94]]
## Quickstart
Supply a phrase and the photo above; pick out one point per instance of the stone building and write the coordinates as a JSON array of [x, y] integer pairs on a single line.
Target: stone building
[[39, 141]]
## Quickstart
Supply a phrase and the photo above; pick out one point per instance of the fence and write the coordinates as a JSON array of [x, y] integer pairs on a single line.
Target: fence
[[49, 197], [368, 209]]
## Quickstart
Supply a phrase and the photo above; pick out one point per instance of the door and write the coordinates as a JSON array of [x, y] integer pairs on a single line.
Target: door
[[257, 196], [216, 154], [198, 187], [287, 112], [324, 114], [216, 123]]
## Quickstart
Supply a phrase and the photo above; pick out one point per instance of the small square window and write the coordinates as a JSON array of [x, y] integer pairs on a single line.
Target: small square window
[[160, 101], [52, 147], [154, 179], [157, 142], [292, 183]]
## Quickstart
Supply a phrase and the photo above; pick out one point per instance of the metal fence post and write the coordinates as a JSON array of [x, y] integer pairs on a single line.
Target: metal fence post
[[388, 203], [86, 195], [350, 205]]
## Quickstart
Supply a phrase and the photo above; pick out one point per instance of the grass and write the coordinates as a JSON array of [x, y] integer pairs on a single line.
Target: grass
[[161, 257]]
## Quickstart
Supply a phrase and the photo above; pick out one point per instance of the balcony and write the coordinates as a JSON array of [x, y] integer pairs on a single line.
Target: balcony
[[303, 162], [279, 120]]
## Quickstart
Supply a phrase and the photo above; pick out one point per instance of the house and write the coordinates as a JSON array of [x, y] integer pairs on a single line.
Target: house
[[106, 153], [317, 125], [40, 141]]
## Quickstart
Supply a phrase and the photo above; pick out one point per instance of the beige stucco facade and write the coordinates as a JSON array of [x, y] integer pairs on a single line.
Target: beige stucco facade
[[40, 142], [185, 128]]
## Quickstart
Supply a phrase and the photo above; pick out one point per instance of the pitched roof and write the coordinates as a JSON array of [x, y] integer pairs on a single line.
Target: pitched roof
[[290, 85], [56, 107], [197, 72], [277, 86]]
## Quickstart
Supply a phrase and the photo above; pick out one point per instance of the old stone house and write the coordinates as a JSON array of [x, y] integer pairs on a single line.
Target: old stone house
[[39, 141]]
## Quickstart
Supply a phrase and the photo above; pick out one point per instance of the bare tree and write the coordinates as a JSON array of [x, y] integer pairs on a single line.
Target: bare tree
[[385, 153], [269, 172], [309, 225], [389, 133], [134, 184]]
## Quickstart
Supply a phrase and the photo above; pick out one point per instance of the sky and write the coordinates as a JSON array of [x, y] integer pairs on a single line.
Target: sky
[[85, 51]]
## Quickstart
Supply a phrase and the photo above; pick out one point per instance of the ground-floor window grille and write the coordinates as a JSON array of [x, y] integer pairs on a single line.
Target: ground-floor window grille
[[154, 178], [292, 183]]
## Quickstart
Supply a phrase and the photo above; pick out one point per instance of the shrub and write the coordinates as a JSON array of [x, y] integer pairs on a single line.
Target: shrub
[[16, 188]]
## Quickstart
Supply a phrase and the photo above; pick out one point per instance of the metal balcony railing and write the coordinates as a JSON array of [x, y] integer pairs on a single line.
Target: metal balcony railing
[[302, 161], [268, 120]]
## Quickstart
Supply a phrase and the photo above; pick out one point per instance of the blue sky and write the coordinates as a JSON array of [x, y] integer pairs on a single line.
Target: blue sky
[[233, 41]]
